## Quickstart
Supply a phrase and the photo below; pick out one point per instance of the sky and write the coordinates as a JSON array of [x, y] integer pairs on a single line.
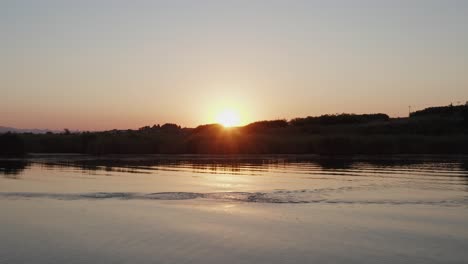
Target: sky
[[95, 65]]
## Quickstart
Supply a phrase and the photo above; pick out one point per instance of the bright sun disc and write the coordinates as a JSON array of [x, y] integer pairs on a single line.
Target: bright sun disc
[[228, 118]]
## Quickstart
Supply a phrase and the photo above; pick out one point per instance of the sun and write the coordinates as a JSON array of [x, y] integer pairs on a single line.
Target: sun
[[228, 118]]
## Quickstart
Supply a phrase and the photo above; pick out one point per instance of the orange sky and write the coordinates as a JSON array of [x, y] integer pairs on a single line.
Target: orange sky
[[92, 66]]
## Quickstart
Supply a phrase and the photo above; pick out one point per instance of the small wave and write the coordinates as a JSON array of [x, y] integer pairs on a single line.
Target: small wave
[[277, 197]]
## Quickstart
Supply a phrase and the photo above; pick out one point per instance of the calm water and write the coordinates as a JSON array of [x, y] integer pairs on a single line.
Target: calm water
[[243, 209]]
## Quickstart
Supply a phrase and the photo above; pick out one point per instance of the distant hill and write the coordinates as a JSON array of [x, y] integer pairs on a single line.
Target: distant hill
[[24, 130], [455, 111]]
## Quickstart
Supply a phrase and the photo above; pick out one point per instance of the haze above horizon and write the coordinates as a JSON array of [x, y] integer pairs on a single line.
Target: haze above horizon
[[97, 65]]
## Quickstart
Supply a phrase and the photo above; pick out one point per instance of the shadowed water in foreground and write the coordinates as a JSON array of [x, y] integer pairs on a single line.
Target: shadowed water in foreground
[[233, 209]]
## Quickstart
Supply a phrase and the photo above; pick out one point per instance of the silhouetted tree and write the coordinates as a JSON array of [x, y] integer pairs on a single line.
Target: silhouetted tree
[[445, 111], [169, 127], [465, 115], [262, 126], [11, 144], [339, 119]]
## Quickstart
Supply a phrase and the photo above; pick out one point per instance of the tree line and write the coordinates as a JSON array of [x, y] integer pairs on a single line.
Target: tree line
[[440, 130]]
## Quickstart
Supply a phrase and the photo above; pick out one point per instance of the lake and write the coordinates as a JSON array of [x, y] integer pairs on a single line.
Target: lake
[[233, 209]]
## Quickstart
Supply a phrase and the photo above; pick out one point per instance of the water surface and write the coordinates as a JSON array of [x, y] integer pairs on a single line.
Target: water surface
[[233, 209]]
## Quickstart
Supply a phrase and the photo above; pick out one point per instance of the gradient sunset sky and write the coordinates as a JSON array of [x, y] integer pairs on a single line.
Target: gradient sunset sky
[[94, 65]]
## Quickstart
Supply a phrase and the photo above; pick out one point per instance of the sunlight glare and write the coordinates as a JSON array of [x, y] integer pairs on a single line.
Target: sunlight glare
[[228, 118]]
